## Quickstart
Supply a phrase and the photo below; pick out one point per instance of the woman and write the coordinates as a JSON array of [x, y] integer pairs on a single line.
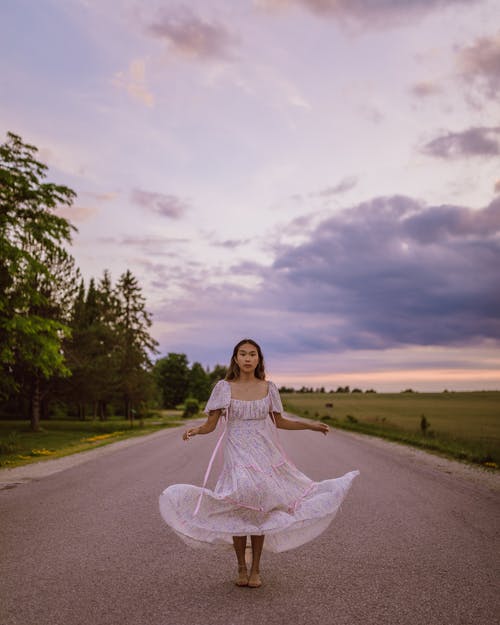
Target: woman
[[259, 492]]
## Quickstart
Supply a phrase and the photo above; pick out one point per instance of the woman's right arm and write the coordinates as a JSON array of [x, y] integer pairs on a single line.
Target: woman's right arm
[[206, 428]]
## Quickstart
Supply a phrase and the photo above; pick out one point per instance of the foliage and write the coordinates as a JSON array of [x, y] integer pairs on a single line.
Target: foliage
[[58, 340], [31, 253], [172, 376], [191, 407], [199, 382], [35, 273]]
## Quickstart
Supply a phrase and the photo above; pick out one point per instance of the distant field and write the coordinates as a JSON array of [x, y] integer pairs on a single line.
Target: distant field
[[462, 425]]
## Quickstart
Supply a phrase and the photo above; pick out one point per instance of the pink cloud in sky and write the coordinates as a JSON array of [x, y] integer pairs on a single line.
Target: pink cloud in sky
[[479, 141], [480, 64], [425, 89], [166, 205], [134, 82], [369, 12], [192, 36], [77, 213]]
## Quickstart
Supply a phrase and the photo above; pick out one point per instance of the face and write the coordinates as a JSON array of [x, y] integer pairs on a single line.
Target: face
[[247, 357]]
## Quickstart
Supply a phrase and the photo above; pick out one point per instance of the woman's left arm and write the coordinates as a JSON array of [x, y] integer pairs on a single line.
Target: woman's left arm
[[288, 424]]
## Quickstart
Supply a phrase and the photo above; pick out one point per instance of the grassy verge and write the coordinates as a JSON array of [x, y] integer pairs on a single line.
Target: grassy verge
[[62, 437], [463, 426]]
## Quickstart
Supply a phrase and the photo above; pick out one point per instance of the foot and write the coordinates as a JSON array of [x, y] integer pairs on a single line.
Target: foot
[[254, 580], [242, 576]]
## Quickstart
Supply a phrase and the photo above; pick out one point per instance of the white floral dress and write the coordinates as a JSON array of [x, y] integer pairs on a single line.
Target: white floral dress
[[259, 490]]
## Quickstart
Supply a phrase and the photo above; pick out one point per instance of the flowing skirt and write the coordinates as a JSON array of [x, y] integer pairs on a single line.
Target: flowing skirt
[[259, 491]]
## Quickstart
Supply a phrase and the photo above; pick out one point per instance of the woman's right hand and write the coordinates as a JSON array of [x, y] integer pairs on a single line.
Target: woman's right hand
[[188, 433]]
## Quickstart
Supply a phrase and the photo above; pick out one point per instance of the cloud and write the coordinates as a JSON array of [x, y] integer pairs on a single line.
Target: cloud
[[191, 36], [77, 213], [385, 274], [497, 186], [480, 63], [393, 272], [425, 89], [149, 244], [104, 197], [478, 141], [346, 184], [231, 243], [367, 12], [134, 82], [165, 205]]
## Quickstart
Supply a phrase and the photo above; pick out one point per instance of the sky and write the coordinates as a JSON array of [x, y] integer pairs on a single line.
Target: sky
[[322, 176]]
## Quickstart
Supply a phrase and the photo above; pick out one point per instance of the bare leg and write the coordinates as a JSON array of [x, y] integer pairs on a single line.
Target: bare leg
[[257, 544], [240, 543]]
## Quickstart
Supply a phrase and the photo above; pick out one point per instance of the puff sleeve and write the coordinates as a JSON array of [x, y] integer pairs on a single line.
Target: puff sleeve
[[220, 397], [274, 394]]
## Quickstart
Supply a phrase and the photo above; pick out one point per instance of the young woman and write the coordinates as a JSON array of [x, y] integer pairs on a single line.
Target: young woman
[[259, 493]]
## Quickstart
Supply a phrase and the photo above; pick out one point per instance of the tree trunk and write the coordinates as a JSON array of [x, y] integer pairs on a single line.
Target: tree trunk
[[35, 405], [81, 411], [102, 410]]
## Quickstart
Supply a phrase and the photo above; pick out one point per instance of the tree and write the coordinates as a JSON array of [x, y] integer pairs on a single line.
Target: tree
[[199, 382], [89, 350], [191, 408], [134, 340], [219, 372], [31, 250], [172, 377]]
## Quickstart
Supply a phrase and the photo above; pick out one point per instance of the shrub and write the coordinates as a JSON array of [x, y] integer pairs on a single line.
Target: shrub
[[10, 444], [191, 407], [424, 425], [351, 419]]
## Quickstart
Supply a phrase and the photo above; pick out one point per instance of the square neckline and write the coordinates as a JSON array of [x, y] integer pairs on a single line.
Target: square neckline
[[249, 400]]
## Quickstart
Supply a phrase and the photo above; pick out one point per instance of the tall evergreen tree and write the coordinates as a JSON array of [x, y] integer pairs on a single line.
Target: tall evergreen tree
[[136, 344]]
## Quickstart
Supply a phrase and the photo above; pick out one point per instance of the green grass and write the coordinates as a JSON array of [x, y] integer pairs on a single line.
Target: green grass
[[465, 426], [61, 437]]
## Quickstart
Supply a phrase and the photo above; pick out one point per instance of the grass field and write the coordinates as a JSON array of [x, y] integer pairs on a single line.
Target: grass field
[[465, 426], [61, 437]]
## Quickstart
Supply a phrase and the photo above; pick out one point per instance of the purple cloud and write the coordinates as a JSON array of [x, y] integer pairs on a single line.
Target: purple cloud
[[425, 89], [479, 141], [480, 63], [191, 36], [165, 205], [369, 12], [386, 273], [346, 184], [231, 243], [392, 272]]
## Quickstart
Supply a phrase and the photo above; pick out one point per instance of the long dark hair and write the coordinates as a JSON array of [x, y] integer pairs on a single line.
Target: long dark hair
[[233, 371]]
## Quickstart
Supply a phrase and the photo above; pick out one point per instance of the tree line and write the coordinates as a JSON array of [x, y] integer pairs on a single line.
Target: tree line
[[67, 348]]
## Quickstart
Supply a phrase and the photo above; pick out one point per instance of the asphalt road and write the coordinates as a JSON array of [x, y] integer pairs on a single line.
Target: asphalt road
[[415, 542]]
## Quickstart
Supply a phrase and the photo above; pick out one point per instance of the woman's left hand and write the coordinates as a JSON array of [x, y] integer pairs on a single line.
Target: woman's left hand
[[320, 427]]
